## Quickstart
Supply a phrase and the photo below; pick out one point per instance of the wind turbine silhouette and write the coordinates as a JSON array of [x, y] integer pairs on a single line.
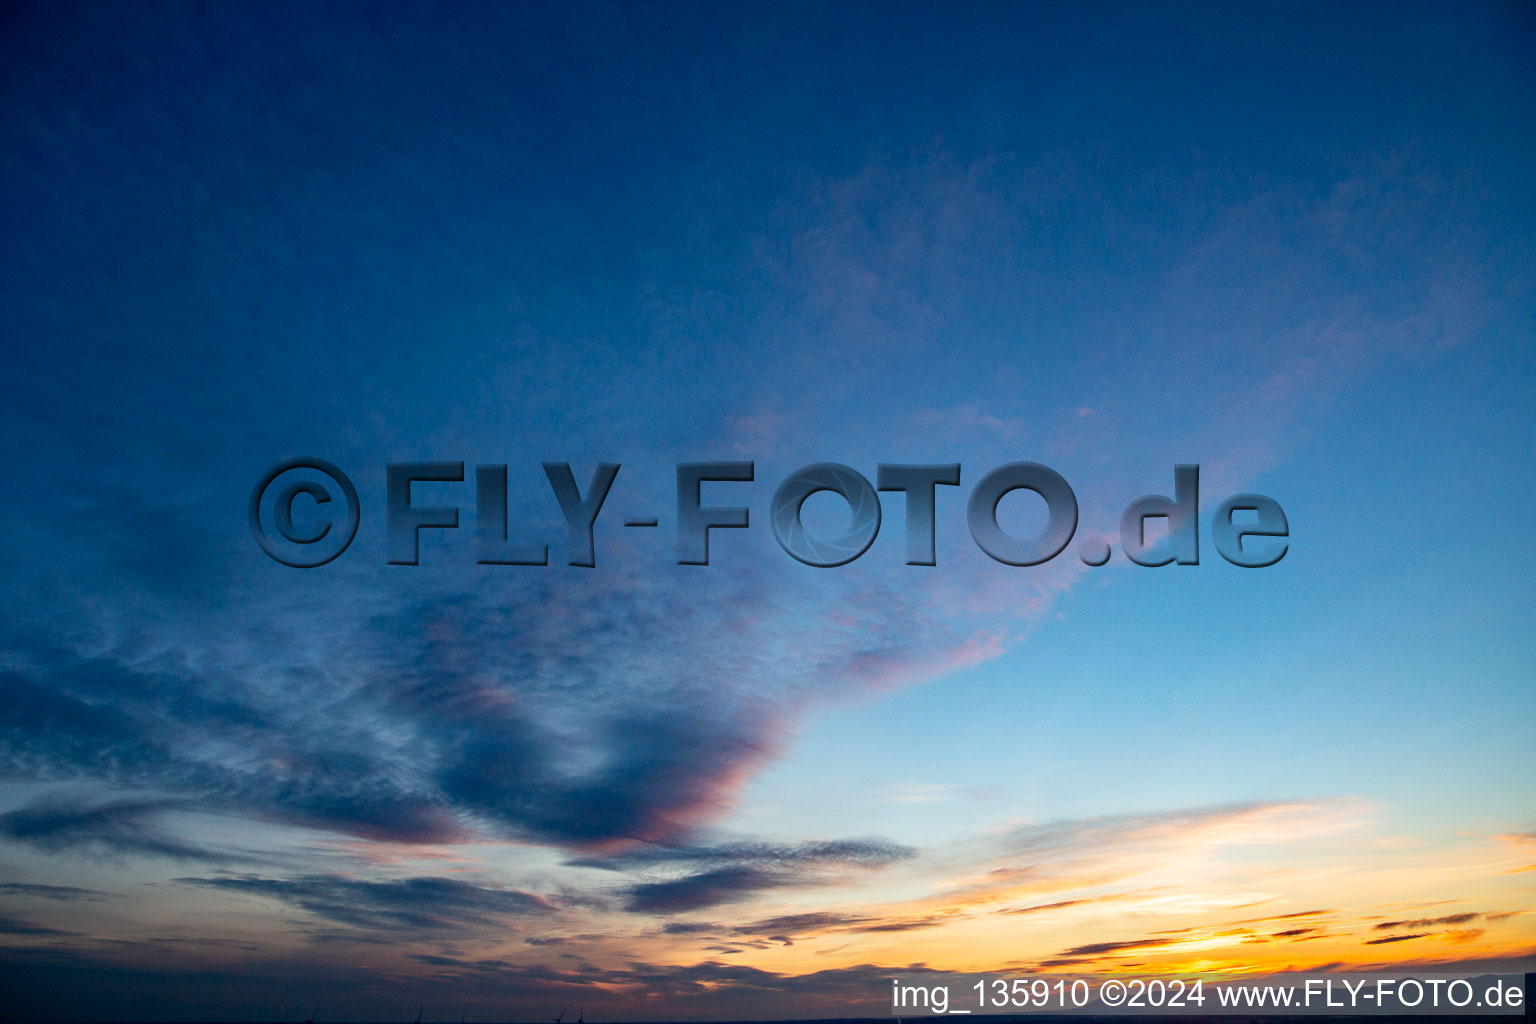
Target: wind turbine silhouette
[[558, 1019], [419, 1008]]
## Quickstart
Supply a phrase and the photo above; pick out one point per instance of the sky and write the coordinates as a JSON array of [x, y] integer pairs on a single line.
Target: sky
[[1294, 245]]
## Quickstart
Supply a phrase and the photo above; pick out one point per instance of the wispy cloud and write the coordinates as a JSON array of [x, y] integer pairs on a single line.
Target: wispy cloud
[[412, 903], [111, 829], [63, 893], [739, 869], [27, 929]]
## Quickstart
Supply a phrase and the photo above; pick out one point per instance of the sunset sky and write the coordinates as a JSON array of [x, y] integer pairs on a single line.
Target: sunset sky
[[1292, 244]]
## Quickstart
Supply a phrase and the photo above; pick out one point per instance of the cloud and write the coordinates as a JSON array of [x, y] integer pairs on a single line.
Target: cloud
[[708, 889], [691, 928], [1016, 869], [469, 713], [1394, 938], [840, 853], [1229, 824], [51, 892], [16, 926], [107, 829], [1094, 949], [904, 925], [1286, 917], [1059, 905], [415, 903], [1058, 857], [167, 729], [798, 924], [1461, 934], [785, 928], [740, 869], [1428, 922]]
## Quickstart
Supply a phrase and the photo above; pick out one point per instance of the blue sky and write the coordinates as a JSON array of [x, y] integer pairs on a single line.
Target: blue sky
[[1292, 245]]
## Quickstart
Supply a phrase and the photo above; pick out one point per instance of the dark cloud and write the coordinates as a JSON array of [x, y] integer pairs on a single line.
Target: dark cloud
[[1394, 938], [461, 714], [43, 729], [854, 853], [434, 960], [417, 903], [1291, 933], [739, 869], [1100, 948], [16, 926], [801, 924], [690, 928], [1428, 922], [112, 720], [105, 720], [784, 929], [108, 829], [708, 889], [51, 892]]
